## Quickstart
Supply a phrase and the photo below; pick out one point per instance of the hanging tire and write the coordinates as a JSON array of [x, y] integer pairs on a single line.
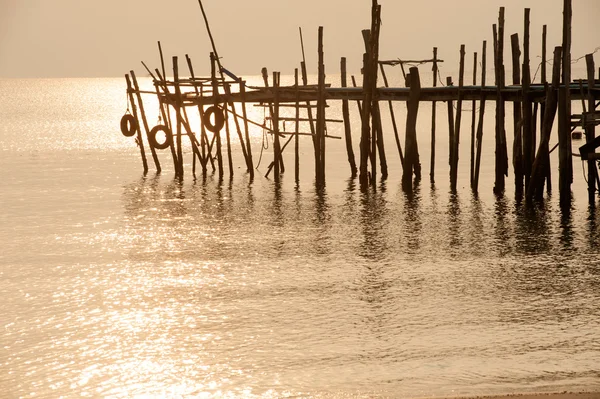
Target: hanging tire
[[154, 142], [129, 125], [219, 119]]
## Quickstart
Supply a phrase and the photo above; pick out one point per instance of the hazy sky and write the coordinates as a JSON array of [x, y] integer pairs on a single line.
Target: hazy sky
[[85, 38]]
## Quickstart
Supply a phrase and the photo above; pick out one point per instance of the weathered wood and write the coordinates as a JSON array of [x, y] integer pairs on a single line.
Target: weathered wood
[[178, 119], [590, 129], [138, 139], [473, 121], [450, 126], [456, 138], [380, 144], [529, 141], [365, 140], [215, 88], [246, 129], [228, 142], [347, 125], [321, 110], [535, 190], [517, 122], [565, 167], [411, 158], [501, 146], [310, 116], [433, 117], [203, 137], [475, 181], [393, 116], [275, 116], [166, 116], [297, 137], [144, 120], [544, 81]]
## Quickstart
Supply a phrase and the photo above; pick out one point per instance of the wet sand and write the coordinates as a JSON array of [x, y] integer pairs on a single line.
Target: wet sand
[[563, 395]]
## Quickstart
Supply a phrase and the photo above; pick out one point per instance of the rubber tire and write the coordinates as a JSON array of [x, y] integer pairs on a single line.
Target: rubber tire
[[152, 137], [219, 119], [129, 125]]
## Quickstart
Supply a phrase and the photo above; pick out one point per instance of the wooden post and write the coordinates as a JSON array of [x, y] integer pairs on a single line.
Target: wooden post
[[411, 158], [144, 120], [433, 117], [564, 112], [456, 138], [501, 151], [365, 141], [347, 125], [529, 141], [450, 127], [312, 124], [215, 92], [536, 186], [203, 137], [246, 129], [377, 140], [393, 116], [543, 108], [321, 111], [297, 130], [178, 117], [139, 140], [475, 182], [590, 129], [228, 139], [166, 116], [276, 145], [518, 123], [473, 120]]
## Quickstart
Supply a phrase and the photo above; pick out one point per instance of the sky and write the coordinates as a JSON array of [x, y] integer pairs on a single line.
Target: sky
[[107, 38]]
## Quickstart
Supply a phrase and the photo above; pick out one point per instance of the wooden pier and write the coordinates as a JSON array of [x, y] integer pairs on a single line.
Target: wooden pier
[[534, 108]]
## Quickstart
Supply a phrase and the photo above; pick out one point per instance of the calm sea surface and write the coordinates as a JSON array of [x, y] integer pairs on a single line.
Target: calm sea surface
[[114, 284]]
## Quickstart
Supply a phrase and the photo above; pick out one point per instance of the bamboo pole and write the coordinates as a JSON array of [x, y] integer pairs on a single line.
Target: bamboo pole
[[166, 116], [346, 116], [139, 140], [365, 141], [313, 129], [144, 120], [433, 118], [536, 186], [228, 141], [475, 181], [473, 121], [518, 123], [246, 129]]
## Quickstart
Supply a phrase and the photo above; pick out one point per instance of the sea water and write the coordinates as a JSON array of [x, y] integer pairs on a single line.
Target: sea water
[[118, 284]]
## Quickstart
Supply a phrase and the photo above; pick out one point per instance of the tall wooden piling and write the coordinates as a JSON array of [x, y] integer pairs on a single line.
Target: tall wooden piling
[[139, 140], [393, 117], [246, 129], [543, 108], [456, 137], [517, 122], [411, 157], [321, 111], [297, 130], [535, 190], [451, 127], [564, 112], [178, 118], [590, 128], [433, 117], [144, 119], [346, 116], [275, 116], [529, 140], [215, 92], [473, 121], [501, 149], [475, 181]]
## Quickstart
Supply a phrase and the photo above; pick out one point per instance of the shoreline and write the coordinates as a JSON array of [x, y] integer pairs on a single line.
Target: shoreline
[[556, 395]]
